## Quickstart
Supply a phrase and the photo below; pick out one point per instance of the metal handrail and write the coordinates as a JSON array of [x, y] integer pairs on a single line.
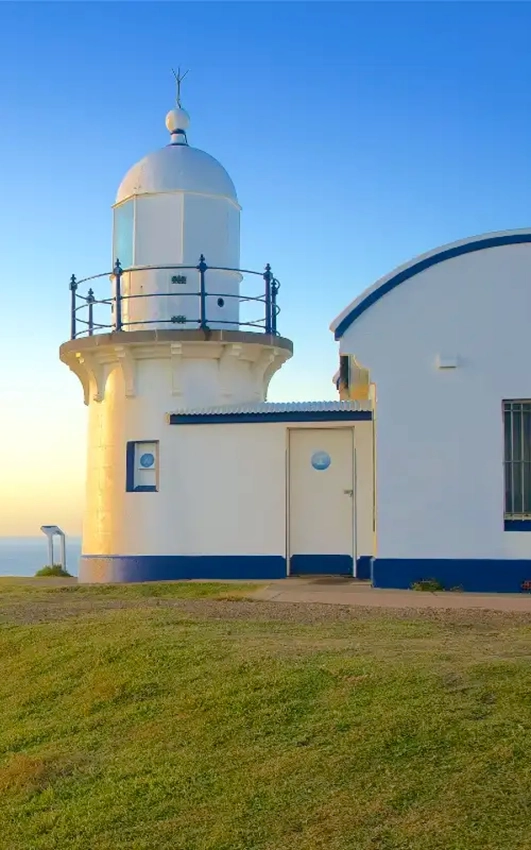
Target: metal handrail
[[267, 324]]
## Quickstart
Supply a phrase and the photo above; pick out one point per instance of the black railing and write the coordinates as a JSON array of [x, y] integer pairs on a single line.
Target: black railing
[[88, 314]]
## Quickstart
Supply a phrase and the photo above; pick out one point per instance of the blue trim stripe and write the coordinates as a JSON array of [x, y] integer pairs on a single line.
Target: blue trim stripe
[[130, 467], [472, 575], [422, 265], [106, 569], [340, 565], [517, 525], [135, 568], [363, 567], [285, 416]]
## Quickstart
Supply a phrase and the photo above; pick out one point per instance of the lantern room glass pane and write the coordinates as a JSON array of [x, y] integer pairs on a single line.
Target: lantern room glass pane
[[123, 234]]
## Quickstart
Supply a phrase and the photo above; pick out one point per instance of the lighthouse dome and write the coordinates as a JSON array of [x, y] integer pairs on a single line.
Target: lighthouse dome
[[177, 168]]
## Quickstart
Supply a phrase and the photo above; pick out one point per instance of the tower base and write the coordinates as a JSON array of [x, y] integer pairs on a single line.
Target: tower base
[[106, 569]]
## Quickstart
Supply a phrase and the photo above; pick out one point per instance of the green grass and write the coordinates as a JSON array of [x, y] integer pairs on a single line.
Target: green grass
[[204, 725], [21, 587]]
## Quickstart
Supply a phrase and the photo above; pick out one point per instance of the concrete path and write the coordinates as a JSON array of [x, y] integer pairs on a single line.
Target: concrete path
[[336, 591]]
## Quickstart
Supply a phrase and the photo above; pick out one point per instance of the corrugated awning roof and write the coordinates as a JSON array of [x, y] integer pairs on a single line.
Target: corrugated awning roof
[[306, 411]]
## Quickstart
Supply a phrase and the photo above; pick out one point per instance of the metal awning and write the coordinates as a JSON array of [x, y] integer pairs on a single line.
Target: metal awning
[[266, 411]]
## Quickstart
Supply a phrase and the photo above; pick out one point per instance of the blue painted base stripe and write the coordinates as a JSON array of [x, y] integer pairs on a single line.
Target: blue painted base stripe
[[321, 565], [131, 568], [363, 566], [475, 576], [517, 525]]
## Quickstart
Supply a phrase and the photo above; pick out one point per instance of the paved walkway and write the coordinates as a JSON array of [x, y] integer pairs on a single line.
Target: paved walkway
[[333, 591]]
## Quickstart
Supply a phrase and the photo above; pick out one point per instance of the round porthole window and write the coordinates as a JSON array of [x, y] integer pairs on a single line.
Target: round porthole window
[[221, 302], [321, 460], [147, 460]]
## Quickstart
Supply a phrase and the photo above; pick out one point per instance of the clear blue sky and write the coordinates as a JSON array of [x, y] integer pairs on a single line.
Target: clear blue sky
[[357, 134]]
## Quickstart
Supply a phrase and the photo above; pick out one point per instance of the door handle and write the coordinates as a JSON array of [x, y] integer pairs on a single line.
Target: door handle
[[348, 492]]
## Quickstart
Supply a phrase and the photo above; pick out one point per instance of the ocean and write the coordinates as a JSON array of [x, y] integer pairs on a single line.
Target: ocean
[[23, 556]]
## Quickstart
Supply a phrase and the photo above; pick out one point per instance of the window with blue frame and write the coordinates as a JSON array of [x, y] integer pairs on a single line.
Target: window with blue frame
[[142, 466], [124, 217]]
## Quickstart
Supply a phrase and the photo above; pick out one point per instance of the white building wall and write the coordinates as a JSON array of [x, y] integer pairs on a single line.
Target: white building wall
[[217, 494], [222, 487], [363, 446], [439, 437], [129, 399], [230, 481]]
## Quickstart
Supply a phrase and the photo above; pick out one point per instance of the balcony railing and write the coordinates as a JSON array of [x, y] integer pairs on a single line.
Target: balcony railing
[[90, 315]]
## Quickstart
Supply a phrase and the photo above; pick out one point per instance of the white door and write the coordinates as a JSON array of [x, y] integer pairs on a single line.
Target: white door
[[321, 520]]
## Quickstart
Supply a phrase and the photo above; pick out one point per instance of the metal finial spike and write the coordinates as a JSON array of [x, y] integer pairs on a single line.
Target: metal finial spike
[[178, 79]]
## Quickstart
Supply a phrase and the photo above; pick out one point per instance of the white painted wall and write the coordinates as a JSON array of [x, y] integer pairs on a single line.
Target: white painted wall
[[439, 437], [364, 465], [130, 390], [222, 488]]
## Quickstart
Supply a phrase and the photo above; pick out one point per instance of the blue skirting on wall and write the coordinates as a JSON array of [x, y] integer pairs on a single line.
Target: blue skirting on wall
[[340, 565], [363, 566], [475, 576], [129, 568], [517, 525]]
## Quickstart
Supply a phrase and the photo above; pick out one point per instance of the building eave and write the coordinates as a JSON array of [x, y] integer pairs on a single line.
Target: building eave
[[419, 264], [275, 412]]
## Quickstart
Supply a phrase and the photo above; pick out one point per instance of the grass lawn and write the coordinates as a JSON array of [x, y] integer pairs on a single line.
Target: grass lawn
[[183, 717]]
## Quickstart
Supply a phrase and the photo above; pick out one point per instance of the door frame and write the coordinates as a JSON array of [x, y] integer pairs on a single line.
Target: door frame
[[322, 427]]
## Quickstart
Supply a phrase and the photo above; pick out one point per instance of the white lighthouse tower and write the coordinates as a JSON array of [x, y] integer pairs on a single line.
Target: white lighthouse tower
[[169, 337]]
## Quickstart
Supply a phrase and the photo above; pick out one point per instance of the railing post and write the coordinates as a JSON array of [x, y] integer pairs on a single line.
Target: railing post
[[267, 278], [73, 288], [118, 296], [275, 286], [202, 267], [90, 302]]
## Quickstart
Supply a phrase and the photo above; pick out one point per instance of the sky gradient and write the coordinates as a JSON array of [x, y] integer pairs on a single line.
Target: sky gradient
[[358, 135]]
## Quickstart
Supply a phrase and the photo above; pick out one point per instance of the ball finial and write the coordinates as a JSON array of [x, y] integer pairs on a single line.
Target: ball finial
[[177, 119]]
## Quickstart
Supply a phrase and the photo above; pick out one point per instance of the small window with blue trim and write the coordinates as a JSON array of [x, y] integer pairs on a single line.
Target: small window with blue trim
[[142, 467]]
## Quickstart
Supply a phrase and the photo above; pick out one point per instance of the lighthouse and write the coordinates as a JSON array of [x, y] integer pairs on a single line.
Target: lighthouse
[[167, 335], [191, 472]]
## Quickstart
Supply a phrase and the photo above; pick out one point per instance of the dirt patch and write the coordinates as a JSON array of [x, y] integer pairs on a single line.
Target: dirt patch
[[42, 611], [26, 774]]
